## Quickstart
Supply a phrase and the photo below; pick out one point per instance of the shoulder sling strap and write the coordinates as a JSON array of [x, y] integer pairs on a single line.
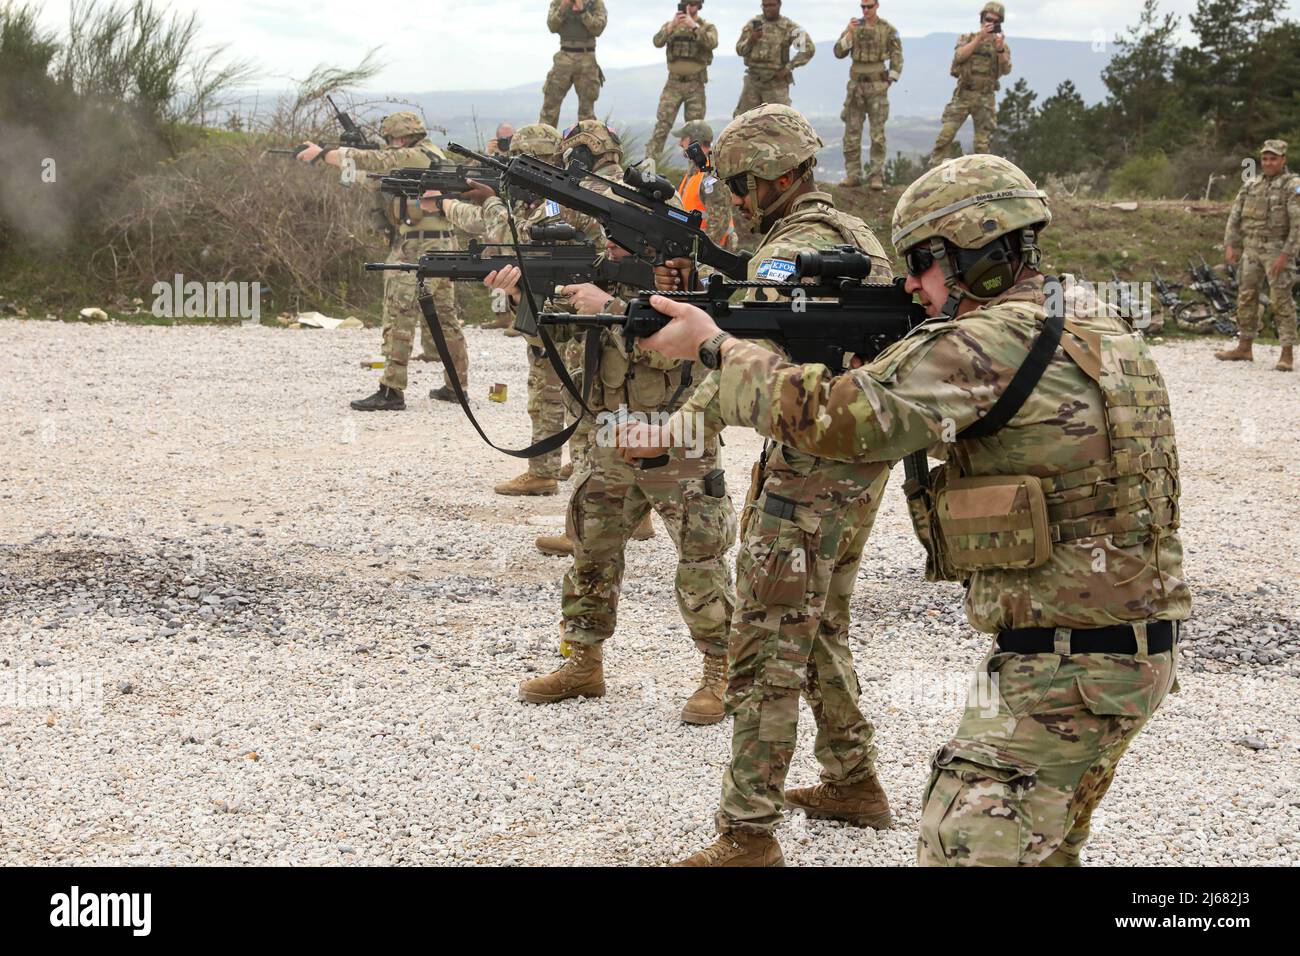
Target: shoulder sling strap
[[1023, 383]]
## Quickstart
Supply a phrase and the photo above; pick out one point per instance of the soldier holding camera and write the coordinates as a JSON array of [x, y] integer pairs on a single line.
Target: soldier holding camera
[[979, 63]]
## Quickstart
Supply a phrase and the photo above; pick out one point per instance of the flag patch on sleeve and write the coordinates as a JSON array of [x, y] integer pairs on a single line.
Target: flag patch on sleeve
[[552, 207], [777, 270]]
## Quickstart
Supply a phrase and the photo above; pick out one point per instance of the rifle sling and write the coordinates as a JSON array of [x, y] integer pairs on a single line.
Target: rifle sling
[[591, 354]]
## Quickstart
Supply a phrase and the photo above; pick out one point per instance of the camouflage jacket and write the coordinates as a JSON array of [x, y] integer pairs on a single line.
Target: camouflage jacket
[[983, 70], [872, 45], [1267, 211], [813, 223], [765, 46], [577, 28], [690, 49], [422, 154], [1097, 431]]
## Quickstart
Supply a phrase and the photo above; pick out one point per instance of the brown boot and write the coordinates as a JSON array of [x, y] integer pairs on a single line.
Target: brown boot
[[705, 705], [1243, 352], [503, 321], [863, 804], [512, 332], [527, 484], [876, 182], [645, 530], [582, 675], [1284, 360], [555, 544], [738, 849], [566, 472]]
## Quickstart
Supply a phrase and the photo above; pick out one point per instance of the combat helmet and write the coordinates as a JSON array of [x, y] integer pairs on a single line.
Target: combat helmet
[[538, 140], [404, 123], [961, 213], [764, 143], [599, 141], [997, 8]]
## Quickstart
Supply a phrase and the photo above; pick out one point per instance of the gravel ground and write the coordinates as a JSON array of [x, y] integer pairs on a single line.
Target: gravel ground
[[241, 623]]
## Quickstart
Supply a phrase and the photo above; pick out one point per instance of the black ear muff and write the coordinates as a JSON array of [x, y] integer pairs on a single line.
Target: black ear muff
[[989, 271]]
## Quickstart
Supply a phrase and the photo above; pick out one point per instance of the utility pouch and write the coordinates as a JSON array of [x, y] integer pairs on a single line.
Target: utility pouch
[[920, 506], [715, 483], [993, 522]]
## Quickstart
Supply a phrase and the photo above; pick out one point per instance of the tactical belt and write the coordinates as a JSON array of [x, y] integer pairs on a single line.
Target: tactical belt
[[428, 234], [1116, 639], [577, 49]]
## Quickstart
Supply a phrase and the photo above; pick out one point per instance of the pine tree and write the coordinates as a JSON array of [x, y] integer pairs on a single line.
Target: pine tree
[[1138, 76], [1016, 117]]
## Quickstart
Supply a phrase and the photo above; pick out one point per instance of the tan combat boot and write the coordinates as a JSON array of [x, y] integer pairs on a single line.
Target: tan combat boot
[[737, 848], [566, 472], [705, 705], [851, 181], [1243, 352], [876, 182], [560, 544], [863, 804], [1284, 361], [582, 675], [527, 484], [503, 321], [645, 530]]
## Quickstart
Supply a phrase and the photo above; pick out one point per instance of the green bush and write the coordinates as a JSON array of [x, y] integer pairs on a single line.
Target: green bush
[[1143, 177]]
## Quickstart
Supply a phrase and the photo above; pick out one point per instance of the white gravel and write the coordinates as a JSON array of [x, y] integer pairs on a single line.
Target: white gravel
[[239, 622]]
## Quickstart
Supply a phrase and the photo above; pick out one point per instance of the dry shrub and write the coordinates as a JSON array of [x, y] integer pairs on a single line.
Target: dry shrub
[[232, 213]]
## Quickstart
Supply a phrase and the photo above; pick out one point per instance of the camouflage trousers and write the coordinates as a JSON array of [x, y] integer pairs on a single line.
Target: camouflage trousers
[[981, 107], [866, 100], [545, 410], [1252, 276], [790, 632], [577, 71], [756, 91], [687, 92], [1033, 758], [402, 315], [609, 501]]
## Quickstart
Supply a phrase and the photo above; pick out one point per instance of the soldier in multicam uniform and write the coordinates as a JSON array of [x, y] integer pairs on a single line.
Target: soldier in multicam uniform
[[877, 54], [1264, 234], [764, 45], [491, 222], [611, 498], [578, 22], [979, 63], [1057, 505], [690, 42], [702, 190], [409, 146], [806, 522]]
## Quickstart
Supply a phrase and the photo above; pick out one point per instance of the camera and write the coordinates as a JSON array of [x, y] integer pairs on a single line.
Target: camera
[[503, 144]]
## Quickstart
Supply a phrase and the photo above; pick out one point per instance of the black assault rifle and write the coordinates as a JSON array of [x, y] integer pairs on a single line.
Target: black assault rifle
[[825, 321], [413, 182], [353, 136], [550, 262], [636, 217]]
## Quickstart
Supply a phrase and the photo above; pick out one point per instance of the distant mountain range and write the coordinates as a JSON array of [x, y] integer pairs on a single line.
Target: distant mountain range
[[631, 94]]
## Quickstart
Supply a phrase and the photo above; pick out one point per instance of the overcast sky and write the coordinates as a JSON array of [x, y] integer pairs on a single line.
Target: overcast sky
[[489, 44]]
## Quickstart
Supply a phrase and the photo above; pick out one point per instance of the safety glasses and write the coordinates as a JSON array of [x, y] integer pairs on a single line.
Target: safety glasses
[[918, 260], [739, 185]]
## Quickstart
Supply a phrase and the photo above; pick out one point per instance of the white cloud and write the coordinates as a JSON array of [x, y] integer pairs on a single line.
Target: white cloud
[[489, 44]]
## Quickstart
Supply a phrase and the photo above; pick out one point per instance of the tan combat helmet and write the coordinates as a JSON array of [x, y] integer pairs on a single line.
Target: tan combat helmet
[[765, 143], [538, 140], [995, 8], [600, 140], [404, 123], [958, 211]]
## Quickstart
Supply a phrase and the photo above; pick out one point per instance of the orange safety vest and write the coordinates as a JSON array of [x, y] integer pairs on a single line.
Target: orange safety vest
[[689, 191]]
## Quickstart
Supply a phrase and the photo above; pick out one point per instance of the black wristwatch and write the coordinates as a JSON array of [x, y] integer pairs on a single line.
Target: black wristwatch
[[711, 351]]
